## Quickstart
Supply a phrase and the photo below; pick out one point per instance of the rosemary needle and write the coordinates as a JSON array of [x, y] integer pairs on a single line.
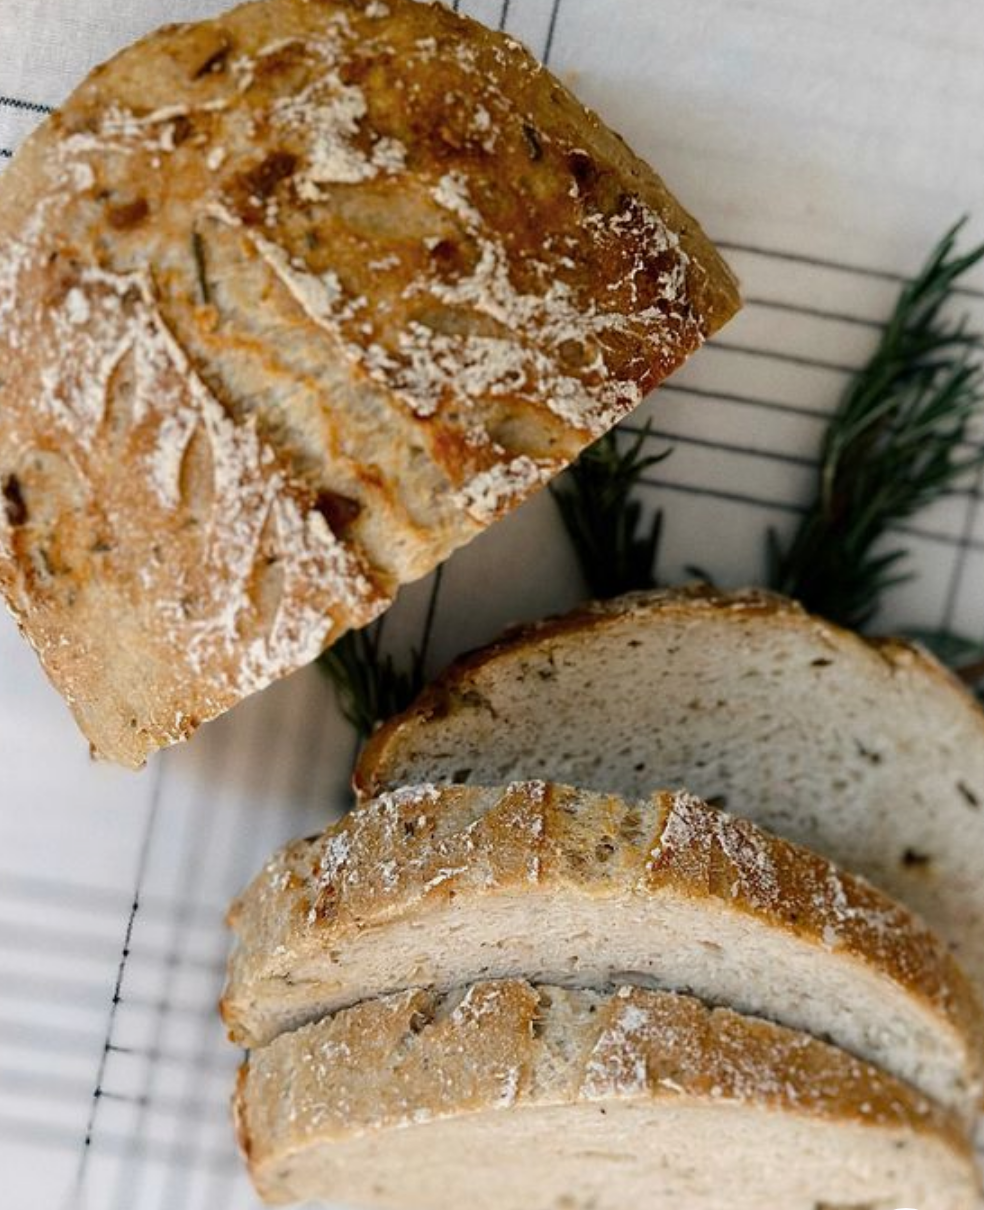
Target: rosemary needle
[[898, 441], [603, 519], [368, 683]]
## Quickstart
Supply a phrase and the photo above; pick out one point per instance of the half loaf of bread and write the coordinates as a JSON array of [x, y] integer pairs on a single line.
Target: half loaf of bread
[[509, 1096], [438, 887], [293, 302]]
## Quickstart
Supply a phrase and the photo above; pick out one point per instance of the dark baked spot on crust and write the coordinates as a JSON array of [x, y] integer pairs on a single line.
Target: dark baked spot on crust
[[445, 251], [291, 57], [128, 214], [912, 859], [14, 506], [338, 510], [356, 69], [264, 177], [419, 1020], [453, 258], [215, 61], [583, 169], [650, 280], [534, 148], [181, 129], [251, 189], [243, 1137]]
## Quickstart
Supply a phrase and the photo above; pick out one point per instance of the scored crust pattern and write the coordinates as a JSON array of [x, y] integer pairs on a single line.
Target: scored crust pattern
[[292, 303], [414, 1057]]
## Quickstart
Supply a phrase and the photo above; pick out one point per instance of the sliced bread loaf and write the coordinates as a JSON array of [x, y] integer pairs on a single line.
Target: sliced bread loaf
[[508, 1096], [869, 752], [439, 887]]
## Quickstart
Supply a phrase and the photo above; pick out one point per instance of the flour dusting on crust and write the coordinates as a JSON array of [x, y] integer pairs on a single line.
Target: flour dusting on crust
[[303, 310]]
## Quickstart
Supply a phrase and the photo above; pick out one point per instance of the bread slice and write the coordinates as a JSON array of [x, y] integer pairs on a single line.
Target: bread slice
[[509, 1096], [868, 752], [440, 887], [293, 303]]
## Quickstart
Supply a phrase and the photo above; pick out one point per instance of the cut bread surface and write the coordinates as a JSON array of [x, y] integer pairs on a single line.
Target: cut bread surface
[[294, 302], [510, 1095], [869, 753], [438, 886]]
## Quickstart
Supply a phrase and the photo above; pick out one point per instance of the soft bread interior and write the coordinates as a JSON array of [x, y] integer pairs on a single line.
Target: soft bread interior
[[868, 754], [696, 1155], [668, 941]]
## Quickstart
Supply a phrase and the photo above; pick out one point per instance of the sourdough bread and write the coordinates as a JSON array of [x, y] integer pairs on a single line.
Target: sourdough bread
[[439, 887], [868, 752], [294, 302], [508, 1096]]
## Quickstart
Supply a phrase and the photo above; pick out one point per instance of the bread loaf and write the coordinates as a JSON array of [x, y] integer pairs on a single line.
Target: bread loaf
[[293, 302], [438, 887], [507, 1096]]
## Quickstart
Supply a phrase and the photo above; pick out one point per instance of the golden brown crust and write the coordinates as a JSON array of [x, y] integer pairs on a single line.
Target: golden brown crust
[[244, 1140], [411, 1058], [292, 303], [393, 858], [705, 852], [371, 1062]]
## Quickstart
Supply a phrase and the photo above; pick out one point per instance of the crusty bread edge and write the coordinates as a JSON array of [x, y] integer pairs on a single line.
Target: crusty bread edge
[[528, 838], [711, 284], [633, 1044], [716, 297]]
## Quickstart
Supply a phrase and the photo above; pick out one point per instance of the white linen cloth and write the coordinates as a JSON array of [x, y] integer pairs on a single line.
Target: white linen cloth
[[826, 146]]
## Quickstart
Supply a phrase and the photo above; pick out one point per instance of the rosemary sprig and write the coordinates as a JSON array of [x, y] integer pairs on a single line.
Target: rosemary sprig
[[616, 553], [369, 686], [892, 447]]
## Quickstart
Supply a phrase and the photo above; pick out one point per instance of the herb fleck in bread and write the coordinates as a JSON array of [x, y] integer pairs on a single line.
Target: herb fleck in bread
[[292, 303], [438, 887], [503, 1096], [868, 752]]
